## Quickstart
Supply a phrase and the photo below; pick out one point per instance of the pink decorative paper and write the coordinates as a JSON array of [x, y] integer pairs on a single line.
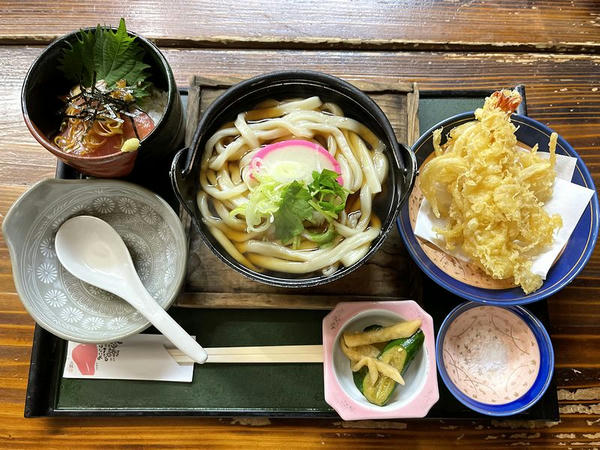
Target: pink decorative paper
[[138, 357], [85, 356]]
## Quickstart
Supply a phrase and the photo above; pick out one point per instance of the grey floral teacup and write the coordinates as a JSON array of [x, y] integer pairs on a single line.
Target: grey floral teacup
[[67, 306]]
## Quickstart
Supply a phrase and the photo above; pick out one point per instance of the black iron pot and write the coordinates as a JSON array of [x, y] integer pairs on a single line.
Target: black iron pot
[[289, 84]]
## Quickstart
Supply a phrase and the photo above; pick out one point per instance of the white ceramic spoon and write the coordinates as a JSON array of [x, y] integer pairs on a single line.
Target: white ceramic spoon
[[94, 252]]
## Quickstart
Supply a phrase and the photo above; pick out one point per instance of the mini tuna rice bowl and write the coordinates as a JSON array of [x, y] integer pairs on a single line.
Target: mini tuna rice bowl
[[497, 361], [103, 100]]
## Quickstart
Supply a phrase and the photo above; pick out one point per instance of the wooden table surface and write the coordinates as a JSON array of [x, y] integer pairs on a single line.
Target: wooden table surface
[[553, 47]]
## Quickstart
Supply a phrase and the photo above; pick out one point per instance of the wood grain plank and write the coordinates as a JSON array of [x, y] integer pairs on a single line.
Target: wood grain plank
[[170, 433], [555, 25], [250, 300], [575, 306], [579, 349]]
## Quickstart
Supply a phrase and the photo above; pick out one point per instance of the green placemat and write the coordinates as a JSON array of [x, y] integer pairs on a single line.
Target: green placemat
[[433, 110], [267, 387]]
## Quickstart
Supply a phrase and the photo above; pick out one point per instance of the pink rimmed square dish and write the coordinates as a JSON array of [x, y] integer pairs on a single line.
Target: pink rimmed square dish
[[414, 399]]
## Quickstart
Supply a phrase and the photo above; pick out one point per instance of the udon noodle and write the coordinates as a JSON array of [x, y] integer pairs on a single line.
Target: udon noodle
[[227, 182]]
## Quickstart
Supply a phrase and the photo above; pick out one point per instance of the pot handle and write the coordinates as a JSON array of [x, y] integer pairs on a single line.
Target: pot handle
[[409, 173], [182, 185]]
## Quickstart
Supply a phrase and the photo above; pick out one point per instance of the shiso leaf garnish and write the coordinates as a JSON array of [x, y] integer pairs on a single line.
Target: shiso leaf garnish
[[110, 55]]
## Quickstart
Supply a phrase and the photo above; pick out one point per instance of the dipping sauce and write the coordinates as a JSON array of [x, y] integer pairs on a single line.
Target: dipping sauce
[[491, 355], [99, 138]]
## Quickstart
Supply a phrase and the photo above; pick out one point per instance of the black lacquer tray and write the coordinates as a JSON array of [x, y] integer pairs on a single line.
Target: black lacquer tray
[[284, 390]]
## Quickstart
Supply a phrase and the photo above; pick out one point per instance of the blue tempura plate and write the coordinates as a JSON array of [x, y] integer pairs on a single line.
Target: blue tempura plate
[[576, 253]]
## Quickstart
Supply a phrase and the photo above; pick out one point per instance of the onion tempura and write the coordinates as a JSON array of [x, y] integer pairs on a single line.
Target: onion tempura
[[492, 192]]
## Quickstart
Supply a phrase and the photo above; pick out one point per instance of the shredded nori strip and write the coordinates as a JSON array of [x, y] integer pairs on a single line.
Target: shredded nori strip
[[99, 105]]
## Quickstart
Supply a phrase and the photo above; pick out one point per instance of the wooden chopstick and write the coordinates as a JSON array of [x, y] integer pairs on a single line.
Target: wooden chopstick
[[266, 354]]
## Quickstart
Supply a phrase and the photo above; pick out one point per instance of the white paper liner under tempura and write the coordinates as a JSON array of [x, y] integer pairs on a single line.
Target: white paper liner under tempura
[[569, 200]]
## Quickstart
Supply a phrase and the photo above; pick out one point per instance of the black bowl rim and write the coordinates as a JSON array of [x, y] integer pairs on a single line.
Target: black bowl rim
[[247, 86], [172, 90]]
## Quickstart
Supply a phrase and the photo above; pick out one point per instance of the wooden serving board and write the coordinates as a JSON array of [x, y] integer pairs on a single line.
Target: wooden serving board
[[390, 273]]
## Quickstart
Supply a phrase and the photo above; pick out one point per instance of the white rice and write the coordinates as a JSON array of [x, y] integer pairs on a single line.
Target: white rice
[[155, 104]]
